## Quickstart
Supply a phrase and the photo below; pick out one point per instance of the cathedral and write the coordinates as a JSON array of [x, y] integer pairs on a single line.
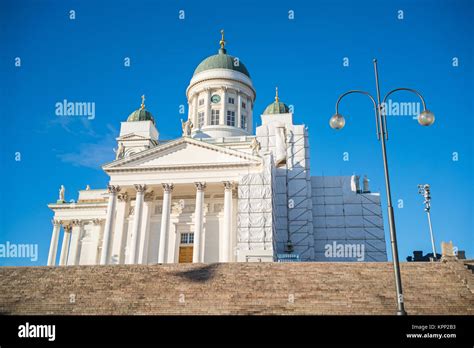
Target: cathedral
[[222, 192]]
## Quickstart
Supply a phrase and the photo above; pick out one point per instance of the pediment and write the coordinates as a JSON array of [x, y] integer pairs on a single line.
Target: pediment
[[184, 152], [131, 136]]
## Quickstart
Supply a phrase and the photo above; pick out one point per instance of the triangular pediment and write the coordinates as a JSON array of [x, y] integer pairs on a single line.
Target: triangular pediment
[[184, 152], [131, 136]]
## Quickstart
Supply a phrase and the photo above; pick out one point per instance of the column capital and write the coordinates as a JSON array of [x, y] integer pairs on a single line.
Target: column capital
[[67, 227], [123, 197], [167, 187], [228, 185], [97, 221], [76, 222], [113, 189], [140, 187], [200, 186], [56, 222]]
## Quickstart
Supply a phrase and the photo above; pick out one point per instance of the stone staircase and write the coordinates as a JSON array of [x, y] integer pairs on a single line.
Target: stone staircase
[[237, 288]]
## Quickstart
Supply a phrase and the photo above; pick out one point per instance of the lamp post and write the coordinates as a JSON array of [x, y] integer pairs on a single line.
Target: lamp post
[[425, 118], [426, 192]]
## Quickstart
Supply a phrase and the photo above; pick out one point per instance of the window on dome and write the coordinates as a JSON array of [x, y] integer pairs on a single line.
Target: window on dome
[[201, 102], [214, 117], [231, 100], [231, 118], [244, 105], [243, 121], [200, 119]]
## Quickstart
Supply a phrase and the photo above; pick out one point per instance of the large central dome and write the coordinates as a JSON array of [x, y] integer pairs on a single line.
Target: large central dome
[[220, 97], [222, 60]]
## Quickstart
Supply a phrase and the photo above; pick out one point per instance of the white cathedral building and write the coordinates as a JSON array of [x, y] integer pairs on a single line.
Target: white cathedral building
[[220, 192]]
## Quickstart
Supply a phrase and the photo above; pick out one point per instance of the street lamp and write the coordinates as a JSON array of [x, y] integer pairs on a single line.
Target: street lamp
[[426, 192], [425, 118]]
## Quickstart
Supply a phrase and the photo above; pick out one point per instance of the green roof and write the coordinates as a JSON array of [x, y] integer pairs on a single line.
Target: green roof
[[221, 61], [140, 115], [277, 107]]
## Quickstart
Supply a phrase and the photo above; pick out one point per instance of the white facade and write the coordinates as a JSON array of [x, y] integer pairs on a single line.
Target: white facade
[[219, 193]]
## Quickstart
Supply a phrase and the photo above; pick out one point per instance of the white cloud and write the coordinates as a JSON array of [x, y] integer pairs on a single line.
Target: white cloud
[[93, 155]]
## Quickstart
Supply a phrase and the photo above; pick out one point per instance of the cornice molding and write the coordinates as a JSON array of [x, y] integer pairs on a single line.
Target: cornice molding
[[118, 165]]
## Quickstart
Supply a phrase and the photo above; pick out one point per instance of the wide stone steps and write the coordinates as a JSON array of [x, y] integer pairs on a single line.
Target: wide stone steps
[[236, 288]]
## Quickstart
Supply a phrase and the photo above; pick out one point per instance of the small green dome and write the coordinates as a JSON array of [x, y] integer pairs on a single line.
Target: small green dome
[[140, 115], [277, 107], [221, 61]]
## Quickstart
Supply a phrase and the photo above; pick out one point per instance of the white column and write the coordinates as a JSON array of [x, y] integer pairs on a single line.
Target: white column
[[73, 256], [198, 221], [172, 250], [249, 107], [65, 245], [145, 228], [207, 119], [194, 119], [239, 110], [97, 232], [223, 119], [136, 223], [120, 230], [53, 247], [104, 256], [165, 221], [227, 228]]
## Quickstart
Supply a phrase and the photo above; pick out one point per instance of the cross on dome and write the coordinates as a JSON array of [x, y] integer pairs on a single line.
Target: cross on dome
[[222, 42], [222, 50], [141, 114]]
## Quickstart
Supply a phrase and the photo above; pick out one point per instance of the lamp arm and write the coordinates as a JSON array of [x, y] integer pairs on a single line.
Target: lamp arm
[[371, 98], [408, 90], [383, 113]]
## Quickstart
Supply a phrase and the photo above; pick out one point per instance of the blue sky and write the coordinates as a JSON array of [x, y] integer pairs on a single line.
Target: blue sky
[[83, 60]]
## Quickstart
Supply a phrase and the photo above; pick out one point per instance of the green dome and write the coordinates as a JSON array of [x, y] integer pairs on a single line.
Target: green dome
[[221, 61], [276, 108], [141, 115]]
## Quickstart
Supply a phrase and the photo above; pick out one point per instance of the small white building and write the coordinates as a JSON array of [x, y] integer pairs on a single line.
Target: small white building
[[219, 193]]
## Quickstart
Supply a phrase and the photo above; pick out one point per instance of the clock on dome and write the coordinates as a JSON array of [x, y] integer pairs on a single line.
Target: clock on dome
[[215, 98]]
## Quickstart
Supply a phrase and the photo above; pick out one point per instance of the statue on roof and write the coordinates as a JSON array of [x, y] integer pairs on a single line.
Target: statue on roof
[[120, 152], [255, 146], [355, 183], [187, 127], [366, 184], [62, 191]]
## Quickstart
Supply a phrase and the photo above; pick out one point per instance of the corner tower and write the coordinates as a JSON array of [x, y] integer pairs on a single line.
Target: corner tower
[[288, 143], [137, 134], [221, 97]]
